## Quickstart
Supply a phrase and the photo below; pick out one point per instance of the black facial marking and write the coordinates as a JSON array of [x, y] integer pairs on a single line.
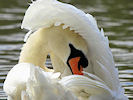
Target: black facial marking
[[77, 53]]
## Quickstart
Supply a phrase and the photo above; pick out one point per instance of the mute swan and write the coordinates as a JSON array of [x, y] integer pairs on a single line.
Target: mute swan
[[76, 46]]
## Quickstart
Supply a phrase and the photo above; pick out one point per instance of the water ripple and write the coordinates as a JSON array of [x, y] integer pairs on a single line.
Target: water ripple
[[13, 10], [10, 17], [12, 26], [122, 43]]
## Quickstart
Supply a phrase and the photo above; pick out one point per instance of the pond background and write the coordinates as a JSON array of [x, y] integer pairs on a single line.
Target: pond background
[[115, 16]]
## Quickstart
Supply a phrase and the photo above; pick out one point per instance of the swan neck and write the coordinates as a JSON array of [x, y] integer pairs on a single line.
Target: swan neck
[[33, 51]]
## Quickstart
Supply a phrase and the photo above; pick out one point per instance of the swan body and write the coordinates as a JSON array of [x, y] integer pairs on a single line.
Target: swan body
[[76, 46], [33, 83], [28, 82]]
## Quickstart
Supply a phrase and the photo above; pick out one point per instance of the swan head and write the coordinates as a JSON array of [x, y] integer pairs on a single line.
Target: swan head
[[68, 50], [76, 60]]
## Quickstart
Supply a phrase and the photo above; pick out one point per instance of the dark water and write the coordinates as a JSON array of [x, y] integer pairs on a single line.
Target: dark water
[[115, 16]]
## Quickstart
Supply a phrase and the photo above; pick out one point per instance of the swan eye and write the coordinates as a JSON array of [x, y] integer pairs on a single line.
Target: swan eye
[[76, 60]]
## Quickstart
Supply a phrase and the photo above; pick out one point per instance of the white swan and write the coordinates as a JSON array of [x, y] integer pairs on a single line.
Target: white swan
[[76, 46]]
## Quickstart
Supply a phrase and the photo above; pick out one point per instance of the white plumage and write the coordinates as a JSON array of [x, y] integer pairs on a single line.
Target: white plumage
[[28, 82], [101, 83]]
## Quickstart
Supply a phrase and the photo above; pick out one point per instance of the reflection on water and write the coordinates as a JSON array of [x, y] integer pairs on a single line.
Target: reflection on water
[[115, 16]]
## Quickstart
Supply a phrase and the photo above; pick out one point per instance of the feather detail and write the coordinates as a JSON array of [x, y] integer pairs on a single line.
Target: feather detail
[[57, 24], [81, 84], [65, 26], [27, 36], [93, 21], [92, 76], [41, 85], [102, 32], [89, 89], [16, 79], [28, 82]]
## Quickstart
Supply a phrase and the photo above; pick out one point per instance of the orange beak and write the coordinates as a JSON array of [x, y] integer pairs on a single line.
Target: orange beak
[[73, 62]]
